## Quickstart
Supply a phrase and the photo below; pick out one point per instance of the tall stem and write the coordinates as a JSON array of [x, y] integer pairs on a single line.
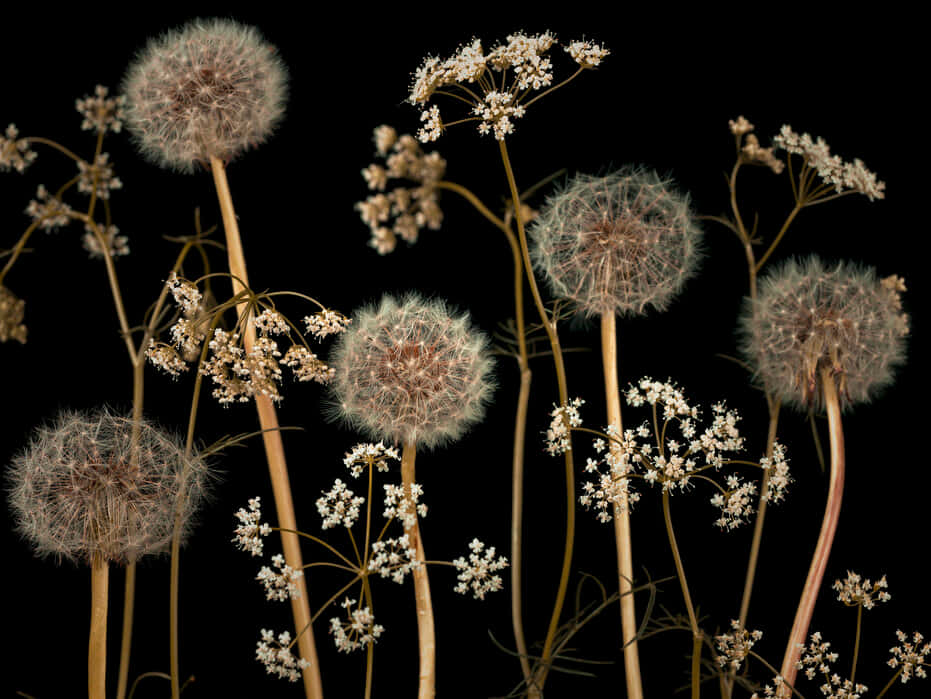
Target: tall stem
[[549, 327], [517, 516], [625, 561], [819, 561], [97, 645], [426, 634], [274, 449], [693, 620]]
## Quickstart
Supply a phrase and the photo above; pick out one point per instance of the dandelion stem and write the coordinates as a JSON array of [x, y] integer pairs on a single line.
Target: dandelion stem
[[97, 646], [425, 627], [274, 447], [625, 564], [819, 561]]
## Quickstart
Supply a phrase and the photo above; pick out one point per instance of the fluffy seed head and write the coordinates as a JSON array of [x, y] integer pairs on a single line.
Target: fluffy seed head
[[408, 371], [81, 491], [809, 315], [620, 244], [210, 88]]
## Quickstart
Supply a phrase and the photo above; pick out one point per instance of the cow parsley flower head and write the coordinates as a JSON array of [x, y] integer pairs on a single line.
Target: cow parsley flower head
[[622, 243], [409, 371], [498, 85], [212, 88], [88, 487], [811, 315]]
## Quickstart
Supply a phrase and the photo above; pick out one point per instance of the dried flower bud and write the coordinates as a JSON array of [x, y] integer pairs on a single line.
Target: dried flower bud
[[12, 310]]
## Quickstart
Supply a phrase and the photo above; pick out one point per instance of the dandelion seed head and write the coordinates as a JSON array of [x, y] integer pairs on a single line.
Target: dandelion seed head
[[622, 243], [409, 371], [810, 315], [81, 490], [212, 88]]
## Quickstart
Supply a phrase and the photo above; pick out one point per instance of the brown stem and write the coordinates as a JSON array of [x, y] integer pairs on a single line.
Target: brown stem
[[550, 328], [517, 513], [274, 448], [426, 634], [97, 646], [819, 561], [625, 563]]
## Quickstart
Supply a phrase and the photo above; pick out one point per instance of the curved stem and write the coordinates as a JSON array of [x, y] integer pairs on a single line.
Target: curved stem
[[97, 645], [546, 656], [426, 634], [274, 447], [819, 561], [693, 620], [625, 563]]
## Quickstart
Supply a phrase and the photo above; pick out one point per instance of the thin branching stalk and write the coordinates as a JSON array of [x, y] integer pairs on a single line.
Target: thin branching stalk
[[520, 429], [856, 645], [549, 327], [426, 634], [819, 561], [97, 645], [622, 538], [274, 448], [693, 620]]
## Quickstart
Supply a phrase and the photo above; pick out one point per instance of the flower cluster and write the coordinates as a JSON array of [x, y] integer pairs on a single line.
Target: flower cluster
[[749, 146], [856, 592], [523, 67], [114, 244], [558, 438], [101, 113], [810, 316], [622, 243], [326, 322], [393, 558], [477, 574], [405, 210], [97, 178], [656, 455], [279, 585], [846, 177], [251, 528], [339, 506], [277, 657], [12, 310], [735, 646], [15, 153], [910, 656], [48, 211], [778, 690], [357, 630], [817, 658], [367, 455], [404, 504]]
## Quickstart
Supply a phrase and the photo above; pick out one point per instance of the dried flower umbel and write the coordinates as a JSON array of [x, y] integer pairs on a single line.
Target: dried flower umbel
[[212, 88]]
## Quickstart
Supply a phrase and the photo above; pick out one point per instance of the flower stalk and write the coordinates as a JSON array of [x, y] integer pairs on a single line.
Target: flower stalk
[[819, 561], [97, 646], [625, 565], [274, 447]]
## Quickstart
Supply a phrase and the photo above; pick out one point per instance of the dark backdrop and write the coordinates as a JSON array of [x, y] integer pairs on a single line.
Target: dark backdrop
[[662, 99]]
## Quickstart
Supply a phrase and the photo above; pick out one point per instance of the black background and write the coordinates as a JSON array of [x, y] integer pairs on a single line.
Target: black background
[[662, 99]]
